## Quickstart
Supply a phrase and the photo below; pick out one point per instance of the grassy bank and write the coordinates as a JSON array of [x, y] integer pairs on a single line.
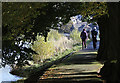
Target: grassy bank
[[38, 69]]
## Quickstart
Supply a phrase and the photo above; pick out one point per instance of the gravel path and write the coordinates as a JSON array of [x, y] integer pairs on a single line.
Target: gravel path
[[80, 67]]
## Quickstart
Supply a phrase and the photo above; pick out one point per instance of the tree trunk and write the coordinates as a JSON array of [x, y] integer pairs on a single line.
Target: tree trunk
[[109, 50]]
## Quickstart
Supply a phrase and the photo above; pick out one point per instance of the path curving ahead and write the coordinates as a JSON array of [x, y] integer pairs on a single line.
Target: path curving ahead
[[79, 67]]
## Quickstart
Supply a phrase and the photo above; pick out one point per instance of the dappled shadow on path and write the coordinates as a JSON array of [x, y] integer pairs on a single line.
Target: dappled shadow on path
[[65, 80], [83, 73], [80, 67], [81, 59], [77, 68], [85, 77]]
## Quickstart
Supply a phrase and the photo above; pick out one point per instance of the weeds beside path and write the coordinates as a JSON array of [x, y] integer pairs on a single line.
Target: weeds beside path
[[79, 67]]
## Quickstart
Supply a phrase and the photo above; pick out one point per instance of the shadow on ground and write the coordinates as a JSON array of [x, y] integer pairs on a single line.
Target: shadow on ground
[[77, 68], [87, 79], [81, 59], [81, 67]]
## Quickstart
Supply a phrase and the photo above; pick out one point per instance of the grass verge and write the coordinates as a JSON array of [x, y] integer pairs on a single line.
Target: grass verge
[[33, 72]]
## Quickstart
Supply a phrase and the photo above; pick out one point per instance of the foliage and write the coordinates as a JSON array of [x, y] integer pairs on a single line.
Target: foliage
[[43, 49], [75, 35], [94, 9], [53, 35], [26, 17]]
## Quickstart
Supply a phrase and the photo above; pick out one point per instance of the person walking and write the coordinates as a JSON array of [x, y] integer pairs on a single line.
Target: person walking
[[83, 36], [94, 37]]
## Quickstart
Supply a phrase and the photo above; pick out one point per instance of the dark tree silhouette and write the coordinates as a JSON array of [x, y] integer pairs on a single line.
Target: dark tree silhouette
[[109, 50]]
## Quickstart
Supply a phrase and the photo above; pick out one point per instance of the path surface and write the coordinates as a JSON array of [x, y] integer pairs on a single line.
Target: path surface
[[80, 67]]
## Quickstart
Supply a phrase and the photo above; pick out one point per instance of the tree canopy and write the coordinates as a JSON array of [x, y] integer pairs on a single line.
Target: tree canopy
[[22, 21]]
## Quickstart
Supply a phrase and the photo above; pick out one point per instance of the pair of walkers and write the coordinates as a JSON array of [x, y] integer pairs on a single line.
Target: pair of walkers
[[84, 37]]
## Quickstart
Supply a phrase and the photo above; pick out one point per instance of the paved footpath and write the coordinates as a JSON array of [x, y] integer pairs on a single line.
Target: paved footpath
[[80, 67]]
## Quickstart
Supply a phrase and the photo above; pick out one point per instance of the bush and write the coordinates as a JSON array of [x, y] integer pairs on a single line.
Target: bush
[[43, 49], [60, 42], [75, 35], [53, 35]]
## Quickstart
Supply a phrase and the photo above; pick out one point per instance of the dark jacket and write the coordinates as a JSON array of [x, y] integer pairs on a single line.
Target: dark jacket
[[94, 33], [83, 35]]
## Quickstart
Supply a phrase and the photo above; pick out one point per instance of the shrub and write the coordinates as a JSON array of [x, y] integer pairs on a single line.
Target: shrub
[[75, 35], [53, 35], [43, 49]]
